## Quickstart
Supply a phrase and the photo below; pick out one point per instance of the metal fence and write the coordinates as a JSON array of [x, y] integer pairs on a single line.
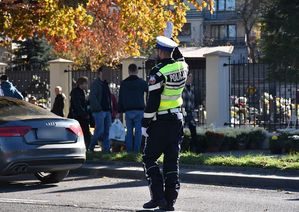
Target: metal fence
[[261, 97], [112, 75], [34, 80], [30, 80]]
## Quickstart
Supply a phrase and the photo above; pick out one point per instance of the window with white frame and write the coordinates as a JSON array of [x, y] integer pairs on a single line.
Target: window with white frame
[[225, 5], [223, 32]]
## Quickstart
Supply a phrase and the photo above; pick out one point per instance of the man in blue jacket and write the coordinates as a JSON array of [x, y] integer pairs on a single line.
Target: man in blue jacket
[[131, 102], [9, 89]]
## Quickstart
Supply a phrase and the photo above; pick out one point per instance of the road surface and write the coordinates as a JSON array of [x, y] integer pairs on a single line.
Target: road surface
[[88, 193]]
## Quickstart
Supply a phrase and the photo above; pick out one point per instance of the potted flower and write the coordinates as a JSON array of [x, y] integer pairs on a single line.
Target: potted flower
[[292, 144], [243, 141], [256, 138], [276, 145], [214, 141], [185, 146], [229, 141], [201, 143]]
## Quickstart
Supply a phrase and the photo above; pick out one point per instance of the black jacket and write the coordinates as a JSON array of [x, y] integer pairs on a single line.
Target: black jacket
[[58, 105], [100, 96], [78, 107], [131, 94]]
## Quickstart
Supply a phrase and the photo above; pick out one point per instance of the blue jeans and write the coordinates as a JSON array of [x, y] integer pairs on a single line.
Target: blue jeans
[[133, 121], [103, 123]]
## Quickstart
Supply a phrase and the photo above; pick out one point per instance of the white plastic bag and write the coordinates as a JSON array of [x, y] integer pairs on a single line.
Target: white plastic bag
[[117, 131]]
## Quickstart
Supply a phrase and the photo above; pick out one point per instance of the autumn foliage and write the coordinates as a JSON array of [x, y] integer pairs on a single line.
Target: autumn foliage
[[94, 32]]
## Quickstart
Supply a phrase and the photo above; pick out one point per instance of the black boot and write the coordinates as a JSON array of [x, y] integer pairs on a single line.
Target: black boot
[[150, 205], [167, 208], [154, 204]]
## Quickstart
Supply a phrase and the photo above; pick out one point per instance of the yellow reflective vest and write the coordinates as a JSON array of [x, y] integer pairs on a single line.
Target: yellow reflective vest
[[175, 75]]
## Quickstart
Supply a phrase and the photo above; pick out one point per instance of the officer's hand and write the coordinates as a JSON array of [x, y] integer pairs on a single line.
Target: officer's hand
[[144, 133]]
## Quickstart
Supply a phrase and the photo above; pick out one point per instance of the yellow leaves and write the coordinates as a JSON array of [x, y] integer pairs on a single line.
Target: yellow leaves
[[93, 31], [143, 20], [45, 16], [61, 21]]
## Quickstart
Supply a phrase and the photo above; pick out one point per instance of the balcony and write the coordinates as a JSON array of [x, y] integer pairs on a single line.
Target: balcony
[[221, 15], [237, 42]]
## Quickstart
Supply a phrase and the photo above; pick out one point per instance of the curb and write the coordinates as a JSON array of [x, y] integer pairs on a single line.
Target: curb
[[210, 175]]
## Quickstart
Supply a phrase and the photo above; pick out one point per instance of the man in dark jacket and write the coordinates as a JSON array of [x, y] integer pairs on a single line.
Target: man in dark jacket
[[131, 102], [58, 105], [100, 106], [9, 89], [189, 107], [78, 107]]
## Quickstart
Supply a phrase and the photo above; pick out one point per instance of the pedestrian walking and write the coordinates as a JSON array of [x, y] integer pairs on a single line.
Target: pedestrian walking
[[131, 102], [9, 89], [100, 106], [189, 111], [78, 107], [163, 126], [59, 101]]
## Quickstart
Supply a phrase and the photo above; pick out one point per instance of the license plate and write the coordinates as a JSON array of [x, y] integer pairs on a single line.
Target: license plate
[[53, 133]]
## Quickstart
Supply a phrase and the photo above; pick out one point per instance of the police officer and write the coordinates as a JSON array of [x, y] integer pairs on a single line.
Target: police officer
[[163, 126]]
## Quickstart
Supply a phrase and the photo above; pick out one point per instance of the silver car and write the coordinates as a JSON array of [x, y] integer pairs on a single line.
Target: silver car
[[33, 140]]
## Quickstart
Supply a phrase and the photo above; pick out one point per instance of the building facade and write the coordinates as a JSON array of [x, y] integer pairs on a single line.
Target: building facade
[[223, 27]]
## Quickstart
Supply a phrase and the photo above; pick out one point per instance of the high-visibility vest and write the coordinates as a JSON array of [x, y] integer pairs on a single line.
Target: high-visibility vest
[[175, 75]]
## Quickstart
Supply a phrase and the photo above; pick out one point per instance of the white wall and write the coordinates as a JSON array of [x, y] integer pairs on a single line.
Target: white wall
[[196, 37]]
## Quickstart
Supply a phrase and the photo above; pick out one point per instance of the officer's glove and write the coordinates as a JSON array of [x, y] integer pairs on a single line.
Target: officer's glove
[[144, 133]]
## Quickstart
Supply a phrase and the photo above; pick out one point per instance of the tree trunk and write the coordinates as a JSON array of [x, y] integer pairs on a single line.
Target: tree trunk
[[250, 46]]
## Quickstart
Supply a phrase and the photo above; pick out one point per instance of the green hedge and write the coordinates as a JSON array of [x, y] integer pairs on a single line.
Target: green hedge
[[225, 139]]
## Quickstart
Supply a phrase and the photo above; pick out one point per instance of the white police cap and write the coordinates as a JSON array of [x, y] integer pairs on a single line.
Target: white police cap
[[166, 44]]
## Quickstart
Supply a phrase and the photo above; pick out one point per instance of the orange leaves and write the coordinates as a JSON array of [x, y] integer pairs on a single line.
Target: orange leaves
[[102, 42]]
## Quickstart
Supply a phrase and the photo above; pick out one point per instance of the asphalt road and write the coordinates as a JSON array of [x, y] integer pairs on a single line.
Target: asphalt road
[[87, 193]]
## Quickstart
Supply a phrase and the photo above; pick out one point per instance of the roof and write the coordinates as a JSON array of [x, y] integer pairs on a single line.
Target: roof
[[200, 52], [60, 60]]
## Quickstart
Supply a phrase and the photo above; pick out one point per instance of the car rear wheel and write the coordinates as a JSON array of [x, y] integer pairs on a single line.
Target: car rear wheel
[[51, 177]]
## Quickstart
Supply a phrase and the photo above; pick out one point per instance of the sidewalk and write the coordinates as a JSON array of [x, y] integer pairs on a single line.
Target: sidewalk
[[213, 175]]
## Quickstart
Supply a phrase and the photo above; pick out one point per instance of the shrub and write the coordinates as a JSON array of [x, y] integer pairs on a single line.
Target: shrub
[[226, 139]]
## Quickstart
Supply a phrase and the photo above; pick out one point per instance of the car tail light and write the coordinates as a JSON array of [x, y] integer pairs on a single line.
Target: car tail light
[[14, 131], [76, 129]]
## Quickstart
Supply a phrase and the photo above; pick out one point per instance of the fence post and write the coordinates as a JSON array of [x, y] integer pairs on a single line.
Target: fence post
[[217, 88], [2, 68], [139, 61], [60, 75]]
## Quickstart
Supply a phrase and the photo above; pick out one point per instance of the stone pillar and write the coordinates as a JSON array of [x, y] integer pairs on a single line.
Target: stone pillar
[[2, 68], [139, 61], [217, 88], [60, 75]]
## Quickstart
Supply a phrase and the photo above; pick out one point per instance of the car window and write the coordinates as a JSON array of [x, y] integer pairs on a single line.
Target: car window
[[10, 107]]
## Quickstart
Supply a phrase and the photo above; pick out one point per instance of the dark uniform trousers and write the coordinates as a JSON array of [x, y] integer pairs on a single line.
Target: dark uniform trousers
[[165, 136]]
